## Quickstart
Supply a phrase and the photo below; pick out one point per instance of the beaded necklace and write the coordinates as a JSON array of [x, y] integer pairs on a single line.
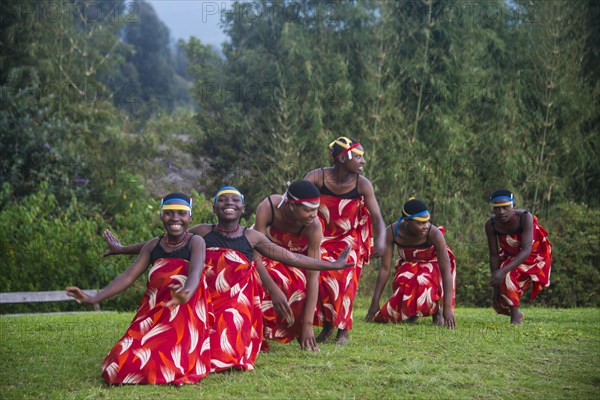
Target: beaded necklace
[[177, 243], [218, 228]]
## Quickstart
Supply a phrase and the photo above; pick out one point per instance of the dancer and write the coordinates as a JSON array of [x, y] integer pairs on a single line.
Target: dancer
[[520, 254], [424, 282], [167, 342], [348, 207]]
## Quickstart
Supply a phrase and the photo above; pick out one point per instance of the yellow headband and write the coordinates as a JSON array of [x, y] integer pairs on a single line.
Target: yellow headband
[[507, 203], [176, 207], [347, 145]]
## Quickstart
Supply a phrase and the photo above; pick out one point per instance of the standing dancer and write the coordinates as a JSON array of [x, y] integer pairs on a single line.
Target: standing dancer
[[424, 282], [348, 206], [520, 255]]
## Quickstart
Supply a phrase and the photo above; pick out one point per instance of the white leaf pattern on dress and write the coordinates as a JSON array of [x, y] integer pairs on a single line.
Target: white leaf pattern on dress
[[174, 312], [176, 355], [158, 264], [146, 325], [225, 345], [125, 344], [342, 204], [266, 305], [205, 345], [393, 313], [152, 297], [221, 283], [111, 370], [512, 242], [182, 279], [333, 284], [238, 320], [423, 297], [298, 295], [346, 304], [324, 213], [201, 311], [144, 355], [133, 379], [193, 338], [219, 364], [233, 256], [300, 275], [158, 329], [285, 281], [329, 306], [200, 368], [168, 373]]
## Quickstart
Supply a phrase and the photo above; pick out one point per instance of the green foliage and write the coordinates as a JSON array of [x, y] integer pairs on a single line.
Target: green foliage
[[46, 245], [558, 352]]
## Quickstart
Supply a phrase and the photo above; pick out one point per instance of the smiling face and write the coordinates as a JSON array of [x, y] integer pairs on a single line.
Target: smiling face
[[176, 222], [229, 207], [305, 215]]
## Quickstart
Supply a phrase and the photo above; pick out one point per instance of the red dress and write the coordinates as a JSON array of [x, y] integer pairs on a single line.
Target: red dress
[[417, 287], [163, 346], [347, 222], [534, 271], [292, 281], [234, 293]]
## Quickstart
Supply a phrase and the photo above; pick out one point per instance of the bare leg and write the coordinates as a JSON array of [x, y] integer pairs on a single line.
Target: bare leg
[[325, 333], [343, 336], [516, 316]]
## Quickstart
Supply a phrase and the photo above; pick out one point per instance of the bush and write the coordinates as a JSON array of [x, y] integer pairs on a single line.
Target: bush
[[47, 247]]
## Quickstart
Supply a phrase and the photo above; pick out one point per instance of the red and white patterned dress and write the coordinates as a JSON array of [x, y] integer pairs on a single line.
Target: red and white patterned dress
[[235, 298], [346, 222], [292, 281], [163, 346], [417, 288], [534, 271]]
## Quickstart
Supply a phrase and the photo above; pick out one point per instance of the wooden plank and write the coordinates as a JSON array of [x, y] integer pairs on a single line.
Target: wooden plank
[[40, 297]]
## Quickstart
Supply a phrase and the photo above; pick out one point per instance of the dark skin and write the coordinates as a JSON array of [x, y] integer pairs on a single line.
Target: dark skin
[[292, 217], [414, 233], [506, 221], [175, 223], [229, 208], [341, 178]]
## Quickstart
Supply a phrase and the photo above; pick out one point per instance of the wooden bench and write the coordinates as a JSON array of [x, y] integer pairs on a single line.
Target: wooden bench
[[41, 297]]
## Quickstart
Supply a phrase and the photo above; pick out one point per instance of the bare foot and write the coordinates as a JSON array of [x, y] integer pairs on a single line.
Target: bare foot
[[343, 337], [411, 320], [517, 319], [325, 333], [438, 318]]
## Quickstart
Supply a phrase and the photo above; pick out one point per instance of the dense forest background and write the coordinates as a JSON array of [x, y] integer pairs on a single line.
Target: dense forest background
[[101, 115]]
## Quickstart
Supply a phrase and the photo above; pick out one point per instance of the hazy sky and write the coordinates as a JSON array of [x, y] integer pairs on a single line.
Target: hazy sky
[[199, 18]]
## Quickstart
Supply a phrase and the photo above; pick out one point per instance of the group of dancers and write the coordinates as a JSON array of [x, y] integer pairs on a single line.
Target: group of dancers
[[217, 293]]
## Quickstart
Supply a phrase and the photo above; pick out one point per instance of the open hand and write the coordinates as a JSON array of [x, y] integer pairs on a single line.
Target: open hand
[[307, 339], [114, 246], [449, 321], [281, 305], [341, 261], [79, 295], [178, 296], [378, 248], [498, 276]]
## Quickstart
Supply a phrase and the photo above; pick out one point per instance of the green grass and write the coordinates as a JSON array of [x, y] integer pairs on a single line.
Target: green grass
[[555, 354]]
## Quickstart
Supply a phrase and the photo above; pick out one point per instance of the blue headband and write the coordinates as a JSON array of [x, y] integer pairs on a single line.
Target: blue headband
[[227, 189], [410, 217]]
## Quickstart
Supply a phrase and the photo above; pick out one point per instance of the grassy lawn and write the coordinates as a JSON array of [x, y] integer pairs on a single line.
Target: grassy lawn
[[555, 354]]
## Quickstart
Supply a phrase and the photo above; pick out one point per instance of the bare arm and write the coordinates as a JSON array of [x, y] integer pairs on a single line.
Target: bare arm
[[270, 250], [492, 246], [526, 243], [120, 283], [439, 243], [182, 295], [384, 274], [315, 236], [366, 189]]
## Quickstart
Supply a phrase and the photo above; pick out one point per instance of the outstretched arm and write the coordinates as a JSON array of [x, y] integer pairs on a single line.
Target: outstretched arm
[[366, 189], [383, 276], [120, 283], [439, 243], [270, 250], [115, 247], [182, 294]]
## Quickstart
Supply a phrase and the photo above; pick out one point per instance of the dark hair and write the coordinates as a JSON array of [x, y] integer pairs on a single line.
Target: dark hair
[[335, 149], [412, 207], [502, 193], [303, 190], [176, 195]]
